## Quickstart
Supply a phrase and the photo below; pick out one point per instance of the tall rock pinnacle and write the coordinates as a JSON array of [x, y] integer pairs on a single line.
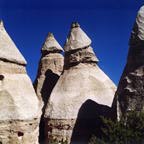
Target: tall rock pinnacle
[[50, 68], [77, 38], [82, 93], [130, 93], [19, 105]]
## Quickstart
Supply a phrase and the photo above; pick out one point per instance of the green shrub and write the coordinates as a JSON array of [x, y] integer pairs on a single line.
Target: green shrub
[[129, 130]]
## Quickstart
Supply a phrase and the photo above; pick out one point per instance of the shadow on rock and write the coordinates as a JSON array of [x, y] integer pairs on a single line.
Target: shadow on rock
[[89, 122], [48, 85]]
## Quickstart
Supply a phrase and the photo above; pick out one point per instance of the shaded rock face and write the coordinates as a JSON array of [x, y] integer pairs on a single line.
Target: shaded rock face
[[19, 105], [81, 84], [130, 93], [50, 68]]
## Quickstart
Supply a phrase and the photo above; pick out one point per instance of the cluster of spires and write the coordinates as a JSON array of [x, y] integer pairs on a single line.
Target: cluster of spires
[[71, 91]]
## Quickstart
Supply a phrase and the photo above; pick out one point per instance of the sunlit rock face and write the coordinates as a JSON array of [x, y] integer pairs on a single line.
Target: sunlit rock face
[[82, 93], [130, 93], [51, 63], [19, 105], [49, 70]]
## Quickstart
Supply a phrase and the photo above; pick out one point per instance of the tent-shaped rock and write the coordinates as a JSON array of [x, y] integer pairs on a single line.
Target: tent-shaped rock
[[19, 105]]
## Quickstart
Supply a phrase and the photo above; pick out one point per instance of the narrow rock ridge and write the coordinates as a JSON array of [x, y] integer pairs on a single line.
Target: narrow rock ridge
[[130, 92], [19, 105], [49, 70], [82, 89]]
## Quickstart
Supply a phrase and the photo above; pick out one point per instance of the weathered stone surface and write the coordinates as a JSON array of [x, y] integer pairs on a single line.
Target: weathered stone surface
[[51, 45], [19, 105], [82, 81], [50, 68], [85, 55], [130, 92], [8, 50], [10, 68], [77, 38], [19, 131], [52, 63], [17, 97]]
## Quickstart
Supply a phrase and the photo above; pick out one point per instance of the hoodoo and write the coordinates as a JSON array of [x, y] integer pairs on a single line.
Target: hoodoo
[[50, 68], [130, 92], [82, 93], [19, 105]]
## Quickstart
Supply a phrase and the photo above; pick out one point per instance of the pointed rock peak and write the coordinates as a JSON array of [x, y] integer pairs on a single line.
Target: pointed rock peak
[[1, 23], [75, 24], [141, 11], [139, 29], [51, 44], [77, 38], [8, 50], [50, 35]]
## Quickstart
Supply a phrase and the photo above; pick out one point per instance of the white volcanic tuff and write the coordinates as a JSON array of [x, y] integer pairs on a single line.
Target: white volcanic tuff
[[51, 44], [75, 86], [81, 80], [77, 39], [17, 98], [140, 23], [50, 68], [8, 50], [19, 106], [51, 60]]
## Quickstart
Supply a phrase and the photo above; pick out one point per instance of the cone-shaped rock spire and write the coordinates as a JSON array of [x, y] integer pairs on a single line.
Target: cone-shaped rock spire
[[8, 50], [50, 68], [80, 94], [51, 45], [130, 92], [77, 38], [19, 105], [51, 60]]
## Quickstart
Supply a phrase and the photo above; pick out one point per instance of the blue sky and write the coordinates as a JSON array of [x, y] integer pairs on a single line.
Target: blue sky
[[107, 23]]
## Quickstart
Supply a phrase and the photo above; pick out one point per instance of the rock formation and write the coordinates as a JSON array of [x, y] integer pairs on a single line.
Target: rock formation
[[130, 92], [50, 68], [81, 89], [19, 105]]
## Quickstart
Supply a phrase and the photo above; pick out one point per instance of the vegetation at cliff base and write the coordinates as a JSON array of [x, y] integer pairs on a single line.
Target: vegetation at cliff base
[[129, 130]]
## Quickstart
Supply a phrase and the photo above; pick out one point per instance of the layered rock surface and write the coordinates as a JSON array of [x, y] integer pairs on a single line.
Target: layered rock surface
[[19, 105], [82, 93], [130, 93], [50, 68]]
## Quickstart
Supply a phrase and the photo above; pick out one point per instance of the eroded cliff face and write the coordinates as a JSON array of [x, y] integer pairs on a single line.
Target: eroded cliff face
[[82, 93], [19, 105], [130, 93], [50, 68]]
